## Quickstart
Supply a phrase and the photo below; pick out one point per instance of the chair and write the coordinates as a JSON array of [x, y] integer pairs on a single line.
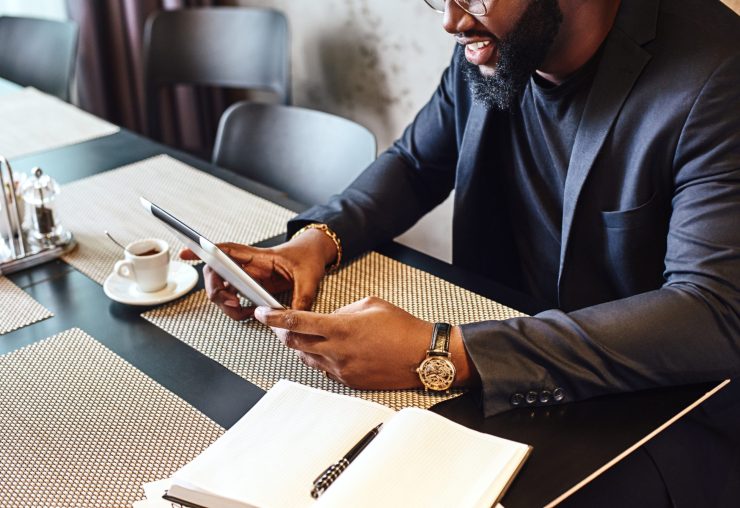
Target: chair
[[232, 47], [39, 53], [308, 154]]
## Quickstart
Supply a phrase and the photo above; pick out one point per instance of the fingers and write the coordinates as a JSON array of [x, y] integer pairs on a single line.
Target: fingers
[[261, 265], [225, 296], [188, 255], [233, 308], [301, 341], [309, 323], [218, 290], [242, 254]]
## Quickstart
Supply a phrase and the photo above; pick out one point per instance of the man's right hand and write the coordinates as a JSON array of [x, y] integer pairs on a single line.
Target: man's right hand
[[298, 265]]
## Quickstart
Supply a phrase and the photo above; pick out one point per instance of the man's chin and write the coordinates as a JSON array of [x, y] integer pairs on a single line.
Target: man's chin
[[488, 67], [487, 71]]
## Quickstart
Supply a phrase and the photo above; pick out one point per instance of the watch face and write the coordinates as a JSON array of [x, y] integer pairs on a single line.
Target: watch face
[[437, 373]]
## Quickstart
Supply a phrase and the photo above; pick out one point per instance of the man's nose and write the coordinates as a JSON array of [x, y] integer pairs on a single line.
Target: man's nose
[[455, 20]]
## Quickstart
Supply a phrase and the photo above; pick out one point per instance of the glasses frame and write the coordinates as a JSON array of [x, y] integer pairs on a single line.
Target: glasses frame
[[483, 3]]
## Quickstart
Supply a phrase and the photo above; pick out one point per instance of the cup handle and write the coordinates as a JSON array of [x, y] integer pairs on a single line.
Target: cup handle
[[124, 268]]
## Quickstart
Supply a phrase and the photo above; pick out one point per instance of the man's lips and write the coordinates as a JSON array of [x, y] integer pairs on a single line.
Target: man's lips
[[480, 48], [480, 52]]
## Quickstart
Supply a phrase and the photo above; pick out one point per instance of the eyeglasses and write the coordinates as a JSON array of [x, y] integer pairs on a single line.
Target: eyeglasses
[[473, 7]]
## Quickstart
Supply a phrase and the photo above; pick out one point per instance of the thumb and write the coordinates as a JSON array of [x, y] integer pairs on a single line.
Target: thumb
[[305, 287]]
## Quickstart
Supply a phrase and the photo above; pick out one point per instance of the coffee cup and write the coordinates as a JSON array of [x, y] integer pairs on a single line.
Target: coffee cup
[[147, 263]]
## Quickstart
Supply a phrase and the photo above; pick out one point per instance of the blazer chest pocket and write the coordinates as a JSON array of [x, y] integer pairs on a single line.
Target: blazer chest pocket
[[633, 217], [635, 244]]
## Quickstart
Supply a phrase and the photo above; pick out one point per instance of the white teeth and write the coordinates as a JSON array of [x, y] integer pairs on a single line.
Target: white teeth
[[478, 45]]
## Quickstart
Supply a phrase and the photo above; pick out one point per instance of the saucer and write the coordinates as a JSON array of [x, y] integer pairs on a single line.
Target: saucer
[[180, 280]]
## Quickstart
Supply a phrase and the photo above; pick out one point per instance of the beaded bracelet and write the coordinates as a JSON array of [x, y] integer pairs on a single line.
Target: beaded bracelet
[[331, 234]]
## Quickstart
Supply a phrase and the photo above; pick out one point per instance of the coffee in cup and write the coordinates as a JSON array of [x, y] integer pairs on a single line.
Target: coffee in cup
[[150, 252], [147, 262]]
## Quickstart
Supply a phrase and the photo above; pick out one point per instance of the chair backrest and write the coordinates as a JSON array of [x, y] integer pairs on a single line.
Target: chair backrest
[[232, 47], [39, 53], [308, 154]]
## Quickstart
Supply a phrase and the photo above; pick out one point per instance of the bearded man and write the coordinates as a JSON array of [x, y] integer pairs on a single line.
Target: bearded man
[[594, 146]]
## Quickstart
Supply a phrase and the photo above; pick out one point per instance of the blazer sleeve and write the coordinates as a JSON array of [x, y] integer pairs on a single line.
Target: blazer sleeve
[[687, 331], [404, 183]]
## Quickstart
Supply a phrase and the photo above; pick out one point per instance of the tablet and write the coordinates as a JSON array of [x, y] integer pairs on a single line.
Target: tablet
[[214, 257]]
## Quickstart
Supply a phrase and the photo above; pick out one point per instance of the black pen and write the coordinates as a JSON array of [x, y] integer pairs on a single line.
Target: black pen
[[331, 473]]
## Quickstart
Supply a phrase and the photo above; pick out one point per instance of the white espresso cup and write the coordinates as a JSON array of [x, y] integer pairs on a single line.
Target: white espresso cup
[[147, 263]]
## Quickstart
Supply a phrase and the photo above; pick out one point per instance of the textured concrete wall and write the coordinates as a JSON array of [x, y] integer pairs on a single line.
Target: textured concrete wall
[[374, 61]]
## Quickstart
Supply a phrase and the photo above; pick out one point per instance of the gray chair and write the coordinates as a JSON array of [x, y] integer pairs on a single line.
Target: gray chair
[[307, 154], [231, 47], [39, 53]]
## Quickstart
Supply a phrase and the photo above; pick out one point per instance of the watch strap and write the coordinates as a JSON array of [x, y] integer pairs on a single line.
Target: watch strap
[[440, 345]]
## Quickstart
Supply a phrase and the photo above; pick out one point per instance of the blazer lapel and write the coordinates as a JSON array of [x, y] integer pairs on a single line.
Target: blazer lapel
[[470, 150], [622, 62]]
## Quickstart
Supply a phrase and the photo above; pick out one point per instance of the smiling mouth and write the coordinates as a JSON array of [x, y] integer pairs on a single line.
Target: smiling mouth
[[480, 52]]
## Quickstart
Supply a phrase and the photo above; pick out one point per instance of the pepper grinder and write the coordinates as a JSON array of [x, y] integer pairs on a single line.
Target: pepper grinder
[[39, 194]]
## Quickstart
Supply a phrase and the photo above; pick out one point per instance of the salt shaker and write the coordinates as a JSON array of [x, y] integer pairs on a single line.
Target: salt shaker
[[39, 194]]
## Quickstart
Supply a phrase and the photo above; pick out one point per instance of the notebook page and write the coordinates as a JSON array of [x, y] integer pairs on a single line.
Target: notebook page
[[153, 491], [422, 459], [271, 456]]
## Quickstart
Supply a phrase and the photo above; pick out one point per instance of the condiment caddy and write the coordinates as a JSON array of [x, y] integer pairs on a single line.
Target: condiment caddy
[[30, 232]]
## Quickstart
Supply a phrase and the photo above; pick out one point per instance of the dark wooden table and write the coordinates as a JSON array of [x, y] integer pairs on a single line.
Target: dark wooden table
[[570, 441]]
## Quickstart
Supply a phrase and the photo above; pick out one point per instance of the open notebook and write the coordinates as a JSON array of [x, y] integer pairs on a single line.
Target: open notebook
[[272, 455]]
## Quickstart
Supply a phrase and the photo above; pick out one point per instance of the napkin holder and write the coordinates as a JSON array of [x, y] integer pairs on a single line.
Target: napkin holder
[[20, 248]]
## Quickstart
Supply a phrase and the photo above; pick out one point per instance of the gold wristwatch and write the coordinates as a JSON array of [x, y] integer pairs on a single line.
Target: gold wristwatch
[[437, 372]]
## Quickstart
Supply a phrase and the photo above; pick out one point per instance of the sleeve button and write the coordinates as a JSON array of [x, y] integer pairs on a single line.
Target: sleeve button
[[517, 399], [545, 396], [531, 397], [558, 394]]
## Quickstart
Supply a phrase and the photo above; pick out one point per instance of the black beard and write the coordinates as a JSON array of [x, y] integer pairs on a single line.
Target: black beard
[[519, 56]]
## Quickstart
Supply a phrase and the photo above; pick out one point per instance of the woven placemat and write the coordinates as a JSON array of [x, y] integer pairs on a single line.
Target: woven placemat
[[17, 308], [252, 351], [33, 121], [79, 426], [110, 201]]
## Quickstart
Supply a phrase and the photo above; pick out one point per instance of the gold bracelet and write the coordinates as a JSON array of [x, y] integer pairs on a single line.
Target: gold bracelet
[[331, 234]]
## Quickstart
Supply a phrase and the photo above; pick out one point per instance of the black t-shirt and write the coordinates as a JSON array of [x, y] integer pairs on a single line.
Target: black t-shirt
[[542, 130]]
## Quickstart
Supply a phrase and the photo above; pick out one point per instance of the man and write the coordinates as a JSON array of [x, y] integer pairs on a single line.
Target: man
[[595, 151]]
